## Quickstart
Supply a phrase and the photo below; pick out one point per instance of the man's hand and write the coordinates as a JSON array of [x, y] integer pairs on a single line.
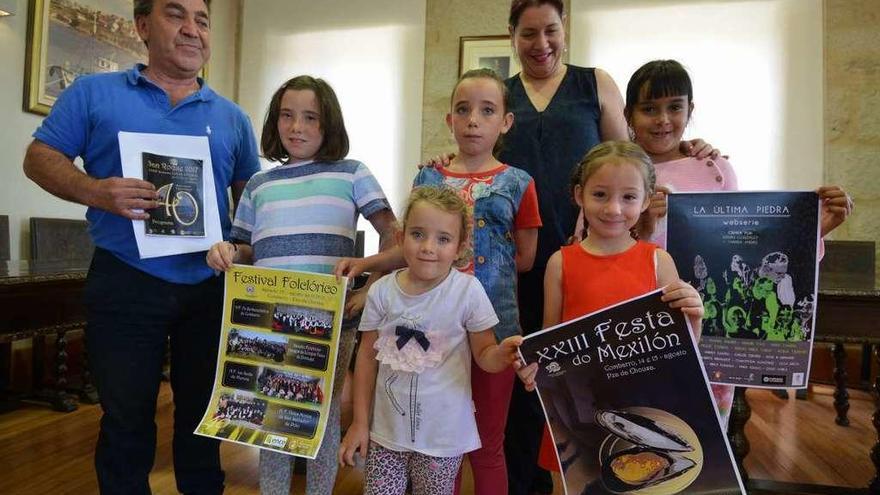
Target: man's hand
[[56, 173], [123, 196]]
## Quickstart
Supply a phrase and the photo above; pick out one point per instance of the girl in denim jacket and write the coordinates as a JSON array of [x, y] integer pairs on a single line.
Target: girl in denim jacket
[[505, 225]]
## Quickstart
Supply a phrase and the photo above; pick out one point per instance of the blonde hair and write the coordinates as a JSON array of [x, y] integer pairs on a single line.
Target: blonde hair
[[445, 199], [610, 151], [614, 152]]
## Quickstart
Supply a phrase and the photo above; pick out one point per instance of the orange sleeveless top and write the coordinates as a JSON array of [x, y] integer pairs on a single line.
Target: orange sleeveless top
[[591, 282]]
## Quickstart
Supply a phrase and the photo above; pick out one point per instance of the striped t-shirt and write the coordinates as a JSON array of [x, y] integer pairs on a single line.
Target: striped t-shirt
[[304, 216]]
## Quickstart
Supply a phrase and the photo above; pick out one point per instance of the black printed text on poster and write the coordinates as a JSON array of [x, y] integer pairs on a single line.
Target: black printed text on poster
[[252, 313], [628, 404], [308, 355], [179, 185]]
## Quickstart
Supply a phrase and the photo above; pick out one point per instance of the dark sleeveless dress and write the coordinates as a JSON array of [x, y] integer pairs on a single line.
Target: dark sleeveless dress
[[549, 144]]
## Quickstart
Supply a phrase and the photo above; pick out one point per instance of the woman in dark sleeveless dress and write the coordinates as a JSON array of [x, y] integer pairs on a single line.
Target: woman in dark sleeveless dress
[[560, 112]]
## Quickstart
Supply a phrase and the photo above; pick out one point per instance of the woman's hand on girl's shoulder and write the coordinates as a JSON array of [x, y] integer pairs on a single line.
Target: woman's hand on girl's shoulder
[[699, 149], [439, 161], [357, 440], [221, 256], [837, 205]]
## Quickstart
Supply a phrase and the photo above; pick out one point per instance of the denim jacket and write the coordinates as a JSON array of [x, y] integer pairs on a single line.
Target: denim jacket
[[495, 210]]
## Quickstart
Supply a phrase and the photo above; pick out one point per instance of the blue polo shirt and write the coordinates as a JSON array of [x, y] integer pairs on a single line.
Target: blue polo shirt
[[85, 122]]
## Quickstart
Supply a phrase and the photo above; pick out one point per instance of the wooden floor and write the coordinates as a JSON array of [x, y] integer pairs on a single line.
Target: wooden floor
[[42, 451]]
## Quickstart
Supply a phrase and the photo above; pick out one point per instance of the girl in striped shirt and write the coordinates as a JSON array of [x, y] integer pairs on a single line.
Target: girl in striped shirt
[[302, 215]]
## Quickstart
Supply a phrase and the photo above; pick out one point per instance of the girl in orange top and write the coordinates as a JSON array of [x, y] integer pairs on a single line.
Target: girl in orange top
[[613, 186]]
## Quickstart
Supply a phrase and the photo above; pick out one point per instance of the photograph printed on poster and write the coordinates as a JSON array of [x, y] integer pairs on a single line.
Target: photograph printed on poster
[[256, 346], [241, 409], [290, 386], [299, 320]]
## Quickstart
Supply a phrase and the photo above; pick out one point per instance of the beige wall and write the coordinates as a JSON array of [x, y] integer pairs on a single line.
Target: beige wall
[[852, 112], [446, 21], [19, 197], [370, 52]]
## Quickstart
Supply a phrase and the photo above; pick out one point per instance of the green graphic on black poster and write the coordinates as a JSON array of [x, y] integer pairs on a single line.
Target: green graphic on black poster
[[179, 184], [752, 257]]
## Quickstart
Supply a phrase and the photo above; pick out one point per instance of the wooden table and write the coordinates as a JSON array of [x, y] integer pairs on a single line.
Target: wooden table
[[844, 316], [38, 299]]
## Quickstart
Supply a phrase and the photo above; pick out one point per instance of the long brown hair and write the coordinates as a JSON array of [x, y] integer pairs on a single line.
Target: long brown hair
[[334, 145]]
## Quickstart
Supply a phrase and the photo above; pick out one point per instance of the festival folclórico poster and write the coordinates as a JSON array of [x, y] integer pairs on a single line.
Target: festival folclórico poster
[[276, 361]]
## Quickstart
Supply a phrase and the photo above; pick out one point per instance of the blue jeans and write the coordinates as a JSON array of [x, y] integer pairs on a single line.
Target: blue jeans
[[130, 316]]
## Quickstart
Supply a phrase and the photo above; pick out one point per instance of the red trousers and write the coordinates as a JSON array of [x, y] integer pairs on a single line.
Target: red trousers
[[491, 393]]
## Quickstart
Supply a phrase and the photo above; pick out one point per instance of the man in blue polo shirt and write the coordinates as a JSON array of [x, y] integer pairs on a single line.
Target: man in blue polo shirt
[[135, 304]]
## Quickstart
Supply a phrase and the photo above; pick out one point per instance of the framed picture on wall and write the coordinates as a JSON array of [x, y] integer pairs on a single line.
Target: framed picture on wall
[[67, 39], [492, 52]]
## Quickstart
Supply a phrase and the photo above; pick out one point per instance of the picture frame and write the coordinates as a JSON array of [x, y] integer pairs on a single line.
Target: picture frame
[[67, 39], [493, 52]]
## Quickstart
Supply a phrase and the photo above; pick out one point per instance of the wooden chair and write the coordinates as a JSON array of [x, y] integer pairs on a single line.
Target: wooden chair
[[4, 237], [847, 265], [54, 239], [60, 239]]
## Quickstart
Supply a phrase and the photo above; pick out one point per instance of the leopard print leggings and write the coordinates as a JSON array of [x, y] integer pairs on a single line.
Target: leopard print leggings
[[387, 471]]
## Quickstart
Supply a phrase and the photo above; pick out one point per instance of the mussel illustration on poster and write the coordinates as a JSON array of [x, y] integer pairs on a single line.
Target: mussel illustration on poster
[[752, 257], [628, 403]]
